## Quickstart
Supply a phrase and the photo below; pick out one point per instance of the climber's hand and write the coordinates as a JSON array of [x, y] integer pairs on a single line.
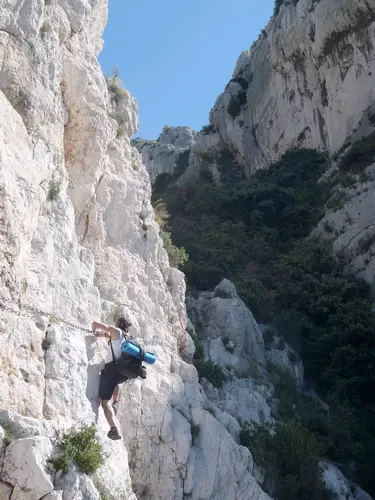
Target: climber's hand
[[100, 333]]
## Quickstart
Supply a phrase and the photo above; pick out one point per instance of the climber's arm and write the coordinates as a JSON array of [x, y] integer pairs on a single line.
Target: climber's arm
[[108, 331]]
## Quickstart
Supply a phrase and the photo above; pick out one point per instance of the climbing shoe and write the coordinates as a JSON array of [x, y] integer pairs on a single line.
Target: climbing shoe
[[115, 406], [114, 434]]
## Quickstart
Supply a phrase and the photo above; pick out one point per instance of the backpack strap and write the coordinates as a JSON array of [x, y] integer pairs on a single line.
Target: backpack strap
[[110, 342], [113, 354]]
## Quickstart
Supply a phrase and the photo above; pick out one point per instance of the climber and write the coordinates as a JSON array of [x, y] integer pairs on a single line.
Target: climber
[[110, 378]]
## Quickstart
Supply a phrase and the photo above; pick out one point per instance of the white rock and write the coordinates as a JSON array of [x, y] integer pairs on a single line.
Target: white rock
[[75, 486], [54, 495], [21, 19], [336, 481], [223, 317], [300, 78], [25, 466], [113, 477], [242, 400], [352, 223], [360, 494], [5, 491], [213, 447], [288, 360], [169, 152]]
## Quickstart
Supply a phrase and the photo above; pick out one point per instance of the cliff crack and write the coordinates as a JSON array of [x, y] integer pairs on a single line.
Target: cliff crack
[[357, 234], [86, 211]]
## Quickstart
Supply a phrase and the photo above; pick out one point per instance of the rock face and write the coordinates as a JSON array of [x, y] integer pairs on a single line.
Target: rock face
[[170, 151], [25, 467], [229, 333], [336, 482], [78, 241], [297, 84], [349, 224]]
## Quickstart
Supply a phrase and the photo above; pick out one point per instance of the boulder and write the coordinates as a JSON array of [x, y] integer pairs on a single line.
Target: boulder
[[25, 467]]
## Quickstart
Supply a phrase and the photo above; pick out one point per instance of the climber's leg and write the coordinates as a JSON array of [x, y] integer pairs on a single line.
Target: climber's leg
[[116, 394], [108, 383], [115, 398], [109, 413]]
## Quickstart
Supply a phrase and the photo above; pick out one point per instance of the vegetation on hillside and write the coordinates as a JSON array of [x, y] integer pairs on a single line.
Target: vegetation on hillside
[[288, 453], [279, 3], [256, 233], [80, 447]]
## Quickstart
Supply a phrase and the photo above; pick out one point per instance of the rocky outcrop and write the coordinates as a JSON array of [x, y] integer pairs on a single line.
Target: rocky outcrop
[[28, 473], [339, 486], [349, 221], [297, 86], [25, 467], [228, 331], [169, 152]]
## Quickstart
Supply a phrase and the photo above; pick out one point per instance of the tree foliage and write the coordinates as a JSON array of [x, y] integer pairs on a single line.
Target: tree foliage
[[288, 453]]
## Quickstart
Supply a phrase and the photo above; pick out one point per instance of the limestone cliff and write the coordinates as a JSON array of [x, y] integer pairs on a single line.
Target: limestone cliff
[[298, 84], [78, 241]]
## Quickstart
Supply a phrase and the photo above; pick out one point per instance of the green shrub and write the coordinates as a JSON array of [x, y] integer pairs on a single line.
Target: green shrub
[[213, 373], [195, 431], [359, 156], [296, 406], [366, 242], [268, 336], [289, 453], [54, 190], [235, 104], [199, 351], [114, 86], [228, 167], [161, 213], [207, 369], [348, 180], [177, 256], [336, 201], [165, 181], [104, 495], [278, 4], [162, 182], [208, 129], [120, 131], [8, 434], [82, 447], [205, 173]]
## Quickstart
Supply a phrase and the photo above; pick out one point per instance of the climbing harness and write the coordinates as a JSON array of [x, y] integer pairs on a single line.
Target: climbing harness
[[30, 311]]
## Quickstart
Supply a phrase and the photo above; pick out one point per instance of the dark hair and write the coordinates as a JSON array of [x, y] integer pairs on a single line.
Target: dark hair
[[123, 323]]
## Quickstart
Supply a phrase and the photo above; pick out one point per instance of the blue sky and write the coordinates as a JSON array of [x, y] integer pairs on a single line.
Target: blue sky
[[176, 56]]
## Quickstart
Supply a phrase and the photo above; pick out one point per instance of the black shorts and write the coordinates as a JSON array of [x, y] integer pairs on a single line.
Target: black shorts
[[109, 378]]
